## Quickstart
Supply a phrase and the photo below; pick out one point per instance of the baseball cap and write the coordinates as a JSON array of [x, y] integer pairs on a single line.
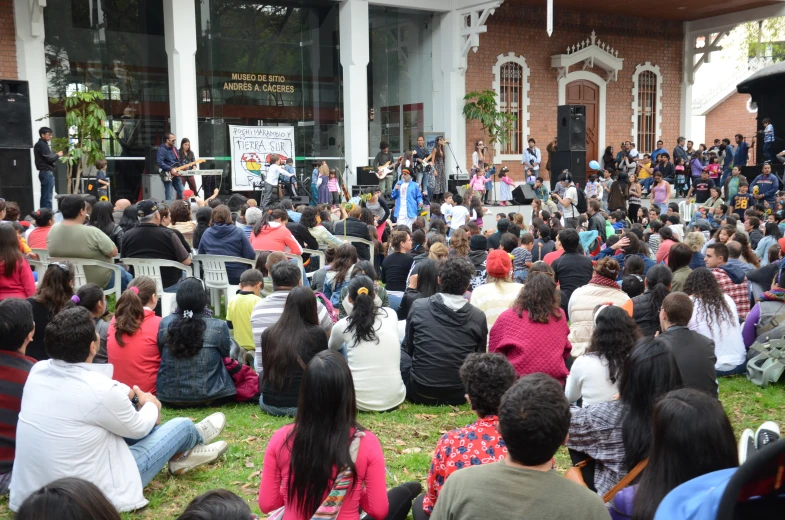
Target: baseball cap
[[781, 243], [146, 208], [498, 263]]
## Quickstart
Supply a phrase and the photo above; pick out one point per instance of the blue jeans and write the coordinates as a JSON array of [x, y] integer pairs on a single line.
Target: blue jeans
[[277, 411], [177, 184], [646, 183], [395, 301], [741, 369], [154, 451], [125, 279], [47, 179], [520, 275]]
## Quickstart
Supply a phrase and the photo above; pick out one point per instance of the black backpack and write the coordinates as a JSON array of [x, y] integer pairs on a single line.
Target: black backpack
[[581, 206]]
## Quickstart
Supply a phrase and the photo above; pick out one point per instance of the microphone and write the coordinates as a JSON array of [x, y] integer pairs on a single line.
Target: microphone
[[447, 142]]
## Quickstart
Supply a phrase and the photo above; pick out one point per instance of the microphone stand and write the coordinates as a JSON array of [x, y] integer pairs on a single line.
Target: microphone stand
[[457, 168]]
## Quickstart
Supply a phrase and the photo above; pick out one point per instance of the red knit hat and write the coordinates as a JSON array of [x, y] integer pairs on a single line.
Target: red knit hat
[[498, 264]]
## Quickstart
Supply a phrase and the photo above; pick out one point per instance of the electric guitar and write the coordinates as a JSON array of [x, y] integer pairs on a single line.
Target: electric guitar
[[383, 170], [166, 176]]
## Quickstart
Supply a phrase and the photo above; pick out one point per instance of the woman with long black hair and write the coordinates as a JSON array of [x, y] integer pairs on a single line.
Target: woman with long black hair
[[101, 217], [287, 348], [53, 295], [438, 173], [617, 434], [326, 452], [187, 156], [130, 218], [594, 376], [427, 286], [679, 418], [192, 346], [373, 349]]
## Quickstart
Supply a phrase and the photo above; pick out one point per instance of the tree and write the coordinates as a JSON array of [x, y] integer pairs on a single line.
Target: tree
[[84, 118], [481, 106]]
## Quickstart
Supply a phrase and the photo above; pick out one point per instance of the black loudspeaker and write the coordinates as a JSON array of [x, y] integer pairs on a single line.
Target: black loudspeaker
[[151, 161], [15, 123], [366, 176], [519, 197], [300, 200], [571, 127], [16, 181], [572, 160]]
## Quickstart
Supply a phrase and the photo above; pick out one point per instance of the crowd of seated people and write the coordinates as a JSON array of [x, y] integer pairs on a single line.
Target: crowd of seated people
[[545, 354]]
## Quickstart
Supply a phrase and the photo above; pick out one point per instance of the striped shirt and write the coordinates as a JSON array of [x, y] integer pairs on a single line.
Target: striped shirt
[[14, 369], [268, 311]]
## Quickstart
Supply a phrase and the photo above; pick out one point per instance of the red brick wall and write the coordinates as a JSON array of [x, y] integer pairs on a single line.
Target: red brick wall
[[521, 29], [7, 41], [730, 118]]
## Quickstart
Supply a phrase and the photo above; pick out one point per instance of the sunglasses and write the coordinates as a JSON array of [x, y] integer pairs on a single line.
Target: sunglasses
[[61, 265]]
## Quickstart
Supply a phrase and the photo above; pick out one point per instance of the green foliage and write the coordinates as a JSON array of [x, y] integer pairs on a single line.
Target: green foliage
[[84, 117], [765, 37], [481, 106]]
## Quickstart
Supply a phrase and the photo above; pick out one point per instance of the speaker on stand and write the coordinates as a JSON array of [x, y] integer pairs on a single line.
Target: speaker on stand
[[16, 139], [572, 160], [571, 127]]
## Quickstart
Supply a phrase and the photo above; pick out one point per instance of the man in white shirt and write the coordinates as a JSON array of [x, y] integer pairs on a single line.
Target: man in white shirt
[[75, 421], [532, 157], [568, 200], [271, 178]]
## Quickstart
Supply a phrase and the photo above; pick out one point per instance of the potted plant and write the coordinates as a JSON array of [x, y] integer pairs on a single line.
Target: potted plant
[[481, 106]]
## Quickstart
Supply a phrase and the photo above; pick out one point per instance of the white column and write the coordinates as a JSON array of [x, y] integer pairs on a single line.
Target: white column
[[687, 79], [31, 64], [453, 88], [354, 28], [180, 38]]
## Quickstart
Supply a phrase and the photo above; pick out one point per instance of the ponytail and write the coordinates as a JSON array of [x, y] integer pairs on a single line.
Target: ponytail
[[269, 216], [89, 296], [129, 312], [363, 317]]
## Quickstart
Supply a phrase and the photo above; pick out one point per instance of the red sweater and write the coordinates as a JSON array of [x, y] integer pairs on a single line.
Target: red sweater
[[136, 362], [20, 284], [276, 238], [532, 347], [370, 493]]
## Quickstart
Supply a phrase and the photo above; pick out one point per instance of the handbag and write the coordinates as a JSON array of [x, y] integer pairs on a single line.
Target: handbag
[[331, 506], [574, 474]]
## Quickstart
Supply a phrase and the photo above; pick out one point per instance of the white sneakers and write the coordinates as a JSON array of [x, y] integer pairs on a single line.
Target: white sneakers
[[200, 454], [752, 442], [209, 428]]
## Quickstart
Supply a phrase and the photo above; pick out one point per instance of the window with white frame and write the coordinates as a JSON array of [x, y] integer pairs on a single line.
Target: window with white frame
[[511, 84], [647, 106]]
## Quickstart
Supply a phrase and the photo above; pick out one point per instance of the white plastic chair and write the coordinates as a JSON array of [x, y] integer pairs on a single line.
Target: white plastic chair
[[354, 241], [152, 267], [318, 254], [80, 278], [216, 278], [41, 265], [686, 210], [43, 255]]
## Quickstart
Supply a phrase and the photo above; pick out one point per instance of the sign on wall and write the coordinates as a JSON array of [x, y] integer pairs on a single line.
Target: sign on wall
[[251, 148]]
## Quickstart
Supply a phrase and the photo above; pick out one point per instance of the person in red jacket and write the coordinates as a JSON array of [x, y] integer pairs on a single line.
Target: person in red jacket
[[533, 333], [271, 234], [16, 277]]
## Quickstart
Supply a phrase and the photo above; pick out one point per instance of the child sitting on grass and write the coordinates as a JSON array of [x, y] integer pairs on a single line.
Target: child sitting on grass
[[238, 312]]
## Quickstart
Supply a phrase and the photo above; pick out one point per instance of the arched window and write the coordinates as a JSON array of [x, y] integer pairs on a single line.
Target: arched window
[[647, 101], [511, 84]]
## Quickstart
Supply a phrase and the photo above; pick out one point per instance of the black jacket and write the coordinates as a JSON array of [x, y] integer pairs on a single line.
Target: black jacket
[[597, 223], [45, 158], [439, 338], [755, 237], [694, 354], [354, 227]]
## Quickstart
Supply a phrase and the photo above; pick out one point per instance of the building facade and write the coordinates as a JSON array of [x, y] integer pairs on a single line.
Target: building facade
[[350, 74]]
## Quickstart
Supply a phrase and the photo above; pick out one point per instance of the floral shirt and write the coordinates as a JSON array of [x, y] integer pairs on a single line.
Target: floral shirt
[[478, 443]]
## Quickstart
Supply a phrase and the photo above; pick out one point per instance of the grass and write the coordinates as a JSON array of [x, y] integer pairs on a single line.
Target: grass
[[408, 435]]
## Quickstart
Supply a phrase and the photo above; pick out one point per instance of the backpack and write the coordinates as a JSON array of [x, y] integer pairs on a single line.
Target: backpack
[[246, 381], [581, 206], [331, 310]]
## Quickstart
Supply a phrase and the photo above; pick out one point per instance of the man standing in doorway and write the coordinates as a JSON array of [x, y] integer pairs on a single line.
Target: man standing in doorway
[[45, 161], [384, 157], [168, 159], [532, 157]]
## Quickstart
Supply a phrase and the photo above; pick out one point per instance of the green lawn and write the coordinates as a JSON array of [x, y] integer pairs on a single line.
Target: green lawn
[[407, 435]]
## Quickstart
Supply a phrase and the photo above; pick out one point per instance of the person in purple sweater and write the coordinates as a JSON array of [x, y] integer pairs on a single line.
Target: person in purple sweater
[[679, 418]]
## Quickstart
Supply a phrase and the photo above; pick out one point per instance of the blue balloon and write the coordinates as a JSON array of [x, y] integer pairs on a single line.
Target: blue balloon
[[594, 165]]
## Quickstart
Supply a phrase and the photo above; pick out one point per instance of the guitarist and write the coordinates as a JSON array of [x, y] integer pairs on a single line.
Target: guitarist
[[383, 157], [168, 159]]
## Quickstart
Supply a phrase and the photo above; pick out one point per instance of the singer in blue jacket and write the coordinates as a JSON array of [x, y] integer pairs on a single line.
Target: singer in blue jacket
[[408, 199]]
